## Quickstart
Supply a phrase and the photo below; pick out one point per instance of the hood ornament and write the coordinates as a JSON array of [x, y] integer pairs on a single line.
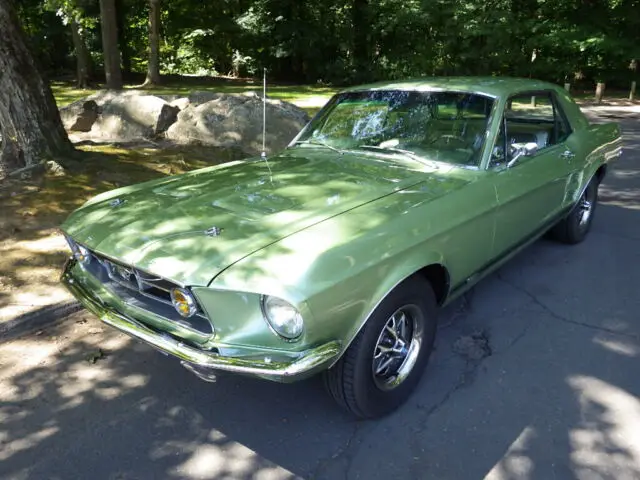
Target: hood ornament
[[116, 202], [213, 232]]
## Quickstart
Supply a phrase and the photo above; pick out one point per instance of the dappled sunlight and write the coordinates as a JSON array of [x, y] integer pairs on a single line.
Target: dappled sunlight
[[619, 345], [55, 370], [608, 434], [29, 272], [223, 458], [11, 447], [145, 410], [516, 463]]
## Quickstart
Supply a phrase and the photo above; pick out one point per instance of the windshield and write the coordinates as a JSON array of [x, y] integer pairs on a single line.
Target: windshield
[[443, 126]]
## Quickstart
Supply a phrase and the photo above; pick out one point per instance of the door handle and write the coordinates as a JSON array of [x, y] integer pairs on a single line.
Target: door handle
[[567, 155]]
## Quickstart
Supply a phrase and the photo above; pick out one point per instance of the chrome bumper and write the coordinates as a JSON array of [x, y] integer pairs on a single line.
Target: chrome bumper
[[201, 362]]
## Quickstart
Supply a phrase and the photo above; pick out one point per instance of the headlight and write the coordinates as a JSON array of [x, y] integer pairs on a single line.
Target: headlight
[[80, 253], [184, 302], [282, 317]]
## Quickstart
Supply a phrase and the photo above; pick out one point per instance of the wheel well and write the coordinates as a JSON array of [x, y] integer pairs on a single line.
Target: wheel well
[[600, 173], [438, 277]]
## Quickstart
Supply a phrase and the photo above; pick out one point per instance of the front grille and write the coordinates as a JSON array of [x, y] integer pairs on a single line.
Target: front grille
[[144, 291]]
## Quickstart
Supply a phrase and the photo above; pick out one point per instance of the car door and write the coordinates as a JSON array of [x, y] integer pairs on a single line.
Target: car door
[[530, 188]]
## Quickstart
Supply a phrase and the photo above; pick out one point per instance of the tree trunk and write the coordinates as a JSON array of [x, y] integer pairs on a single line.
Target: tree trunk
[[123, 37], [83, 59], [599, 92], [29, 118], [633, 66], [153, 67], [361, 25], [110, 49]]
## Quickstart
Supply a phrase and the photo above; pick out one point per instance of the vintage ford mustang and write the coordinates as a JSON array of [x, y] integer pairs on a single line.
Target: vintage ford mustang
[[334, 255]]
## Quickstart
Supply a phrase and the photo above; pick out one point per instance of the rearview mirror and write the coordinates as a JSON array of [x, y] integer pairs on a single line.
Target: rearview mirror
[[526, 150]]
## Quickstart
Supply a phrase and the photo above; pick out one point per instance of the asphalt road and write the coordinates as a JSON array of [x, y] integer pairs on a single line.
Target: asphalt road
[[555, 397]]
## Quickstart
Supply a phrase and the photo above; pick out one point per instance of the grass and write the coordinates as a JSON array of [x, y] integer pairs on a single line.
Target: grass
[[308, 97]]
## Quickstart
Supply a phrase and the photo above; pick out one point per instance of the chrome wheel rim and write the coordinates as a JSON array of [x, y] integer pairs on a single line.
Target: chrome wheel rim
[[397, 348], [585, 209]]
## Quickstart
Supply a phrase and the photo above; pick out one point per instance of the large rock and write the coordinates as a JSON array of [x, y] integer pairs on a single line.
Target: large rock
[[131, 116], [80, 116], [124, 116], [236, 120], [202, 117]]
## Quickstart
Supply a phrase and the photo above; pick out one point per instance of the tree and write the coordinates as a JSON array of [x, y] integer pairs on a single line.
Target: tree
[[71, 15], [110, 49], [83, 59], [153, 68], [29, 118], [360, 19]]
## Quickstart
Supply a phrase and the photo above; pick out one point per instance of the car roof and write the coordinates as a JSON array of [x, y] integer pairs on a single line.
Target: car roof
[[491, 86]]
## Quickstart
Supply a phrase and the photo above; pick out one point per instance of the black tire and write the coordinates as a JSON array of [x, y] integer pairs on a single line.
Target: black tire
[[352, 381], [574, 227]]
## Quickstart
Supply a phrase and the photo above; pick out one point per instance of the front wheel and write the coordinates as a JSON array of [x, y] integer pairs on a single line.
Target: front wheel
[[385, 362], [574, 227]]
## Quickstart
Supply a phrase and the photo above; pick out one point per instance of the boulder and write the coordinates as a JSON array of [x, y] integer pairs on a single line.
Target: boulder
[[236, 120], [130, 116], [80, 116], [202, 117], [124, 116]]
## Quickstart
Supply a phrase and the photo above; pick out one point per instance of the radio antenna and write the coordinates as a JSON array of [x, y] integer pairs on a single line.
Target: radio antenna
[[264, 121]]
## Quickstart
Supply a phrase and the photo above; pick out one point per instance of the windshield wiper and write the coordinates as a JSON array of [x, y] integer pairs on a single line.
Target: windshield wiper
[[320, 144], [407, 153]]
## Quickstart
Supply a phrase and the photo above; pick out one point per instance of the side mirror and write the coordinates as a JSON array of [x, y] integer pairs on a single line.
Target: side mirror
[[526, 150]]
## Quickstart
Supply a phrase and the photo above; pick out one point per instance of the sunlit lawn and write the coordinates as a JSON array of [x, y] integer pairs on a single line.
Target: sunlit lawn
[[308, 97]]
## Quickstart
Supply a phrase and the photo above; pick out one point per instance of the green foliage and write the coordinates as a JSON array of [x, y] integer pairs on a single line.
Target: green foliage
[[347, 41]]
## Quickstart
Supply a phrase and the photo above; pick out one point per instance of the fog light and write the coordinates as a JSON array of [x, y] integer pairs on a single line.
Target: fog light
[[184, 302], [80, 253]]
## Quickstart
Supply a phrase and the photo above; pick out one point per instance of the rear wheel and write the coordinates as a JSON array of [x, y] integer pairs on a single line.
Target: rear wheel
[[385, 362], [574, 227]]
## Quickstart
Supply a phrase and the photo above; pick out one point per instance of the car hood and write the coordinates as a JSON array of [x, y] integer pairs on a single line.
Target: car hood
[[160, 226]]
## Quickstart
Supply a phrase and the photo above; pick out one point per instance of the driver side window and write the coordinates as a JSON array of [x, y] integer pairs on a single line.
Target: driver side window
[[529, 118]]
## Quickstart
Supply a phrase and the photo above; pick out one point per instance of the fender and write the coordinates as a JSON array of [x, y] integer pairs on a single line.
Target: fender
[[403, 269]]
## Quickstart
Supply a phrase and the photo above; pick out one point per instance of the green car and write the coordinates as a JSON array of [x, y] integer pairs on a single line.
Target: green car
[[335, 255]]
